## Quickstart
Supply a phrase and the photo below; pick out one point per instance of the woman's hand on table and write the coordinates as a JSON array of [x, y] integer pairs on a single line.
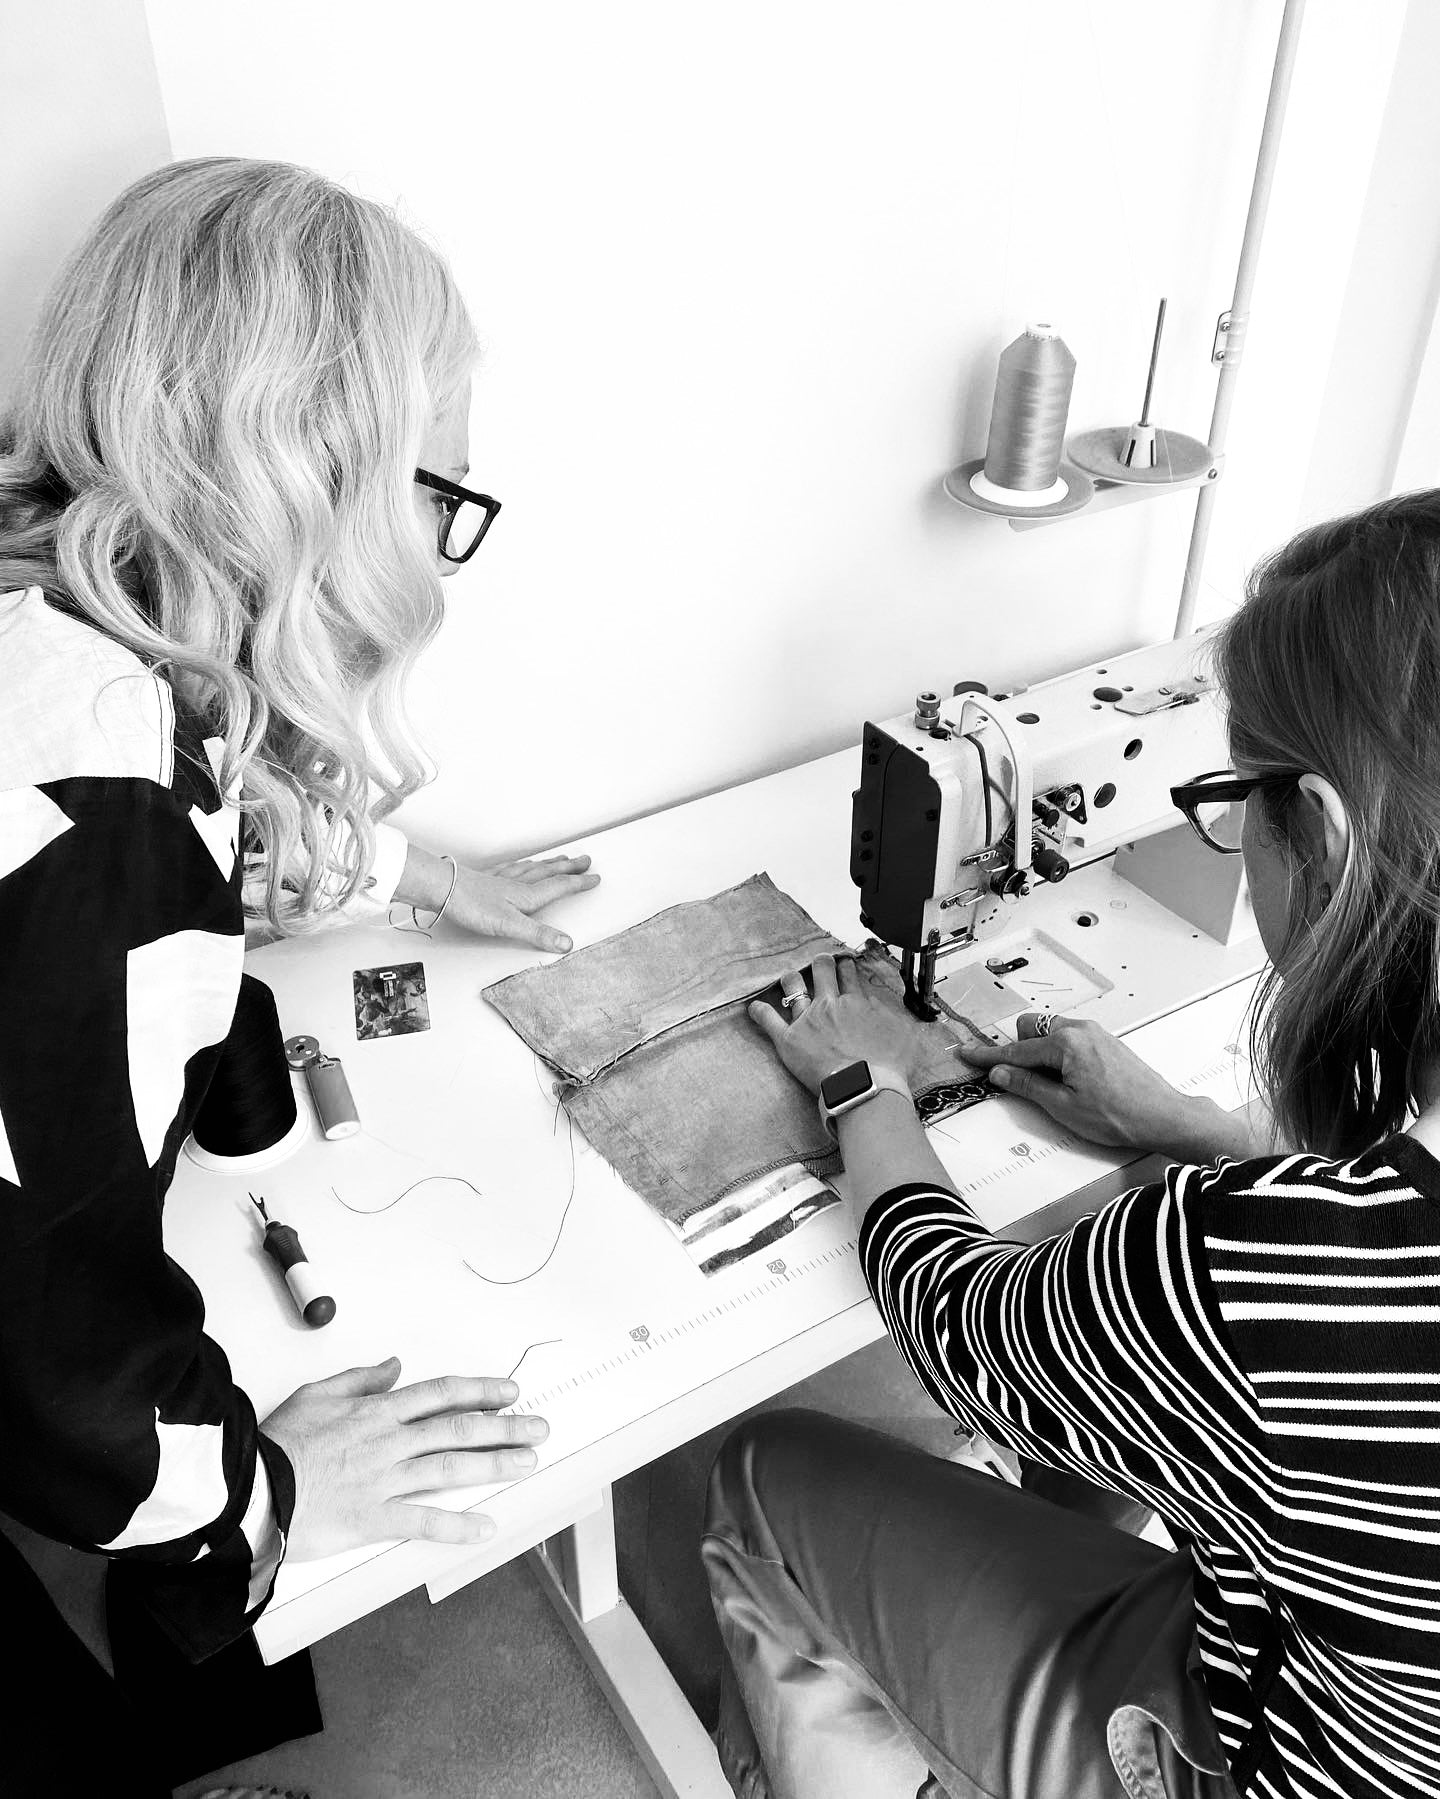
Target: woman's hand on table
[[1090, 1082], [362, 1448], [499, 901]]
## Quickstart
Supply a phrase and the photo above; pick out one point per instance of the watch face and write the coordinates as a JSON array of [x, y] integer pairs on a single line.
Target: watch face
[[845, 1084]]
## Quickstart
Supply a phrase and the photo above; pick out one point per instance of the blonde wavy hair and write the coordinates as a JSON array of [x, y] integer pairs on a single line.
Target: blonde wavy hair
[[210, 458]]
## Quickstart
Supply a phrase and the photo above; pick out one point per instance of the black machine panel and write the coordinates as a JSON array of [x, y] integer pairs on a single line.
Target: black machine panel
[[894, 838]]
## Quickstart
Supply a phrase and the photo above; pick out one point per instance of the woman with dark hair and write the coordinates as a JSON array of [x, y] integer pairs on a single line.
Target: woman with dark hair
[[1251, 1346]]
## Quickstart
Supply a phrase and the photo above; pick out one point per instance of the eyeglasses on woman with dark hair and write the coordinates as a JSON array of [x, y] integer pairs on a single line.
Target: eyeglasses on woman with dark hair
[[1214, 803]]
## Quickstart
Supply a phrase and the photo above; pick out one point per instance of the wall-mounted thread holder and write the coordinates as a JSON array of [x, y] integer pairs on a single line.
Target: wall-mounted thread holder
[[1110, 494], [1113, 466], [1230, 334]]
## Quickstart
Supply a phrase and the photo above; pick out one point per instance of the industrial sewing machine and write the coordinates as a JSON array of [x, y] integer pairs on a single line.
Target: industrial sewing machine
[[1033, 840]]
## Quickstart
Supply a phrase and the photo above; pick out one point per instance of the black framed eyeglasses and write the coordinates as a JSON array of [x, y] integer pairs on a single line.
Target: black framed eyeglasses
[[1215, 805], [465, 516]]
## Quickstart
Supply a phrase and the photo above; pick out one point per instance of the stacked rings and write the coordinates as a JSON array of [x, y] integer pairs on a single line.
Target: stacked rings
[[794, 995]]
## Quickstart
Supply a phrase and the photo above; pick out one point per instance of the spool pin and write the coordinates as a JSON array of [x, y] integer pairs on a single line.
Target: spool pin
[[329, 1089], [1146, 455], [282, 1245]]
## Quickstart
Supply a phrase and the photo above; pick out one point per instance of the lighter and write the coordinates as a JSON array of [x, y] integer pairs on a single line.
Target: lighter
[[282, 1245], [325, 1077]]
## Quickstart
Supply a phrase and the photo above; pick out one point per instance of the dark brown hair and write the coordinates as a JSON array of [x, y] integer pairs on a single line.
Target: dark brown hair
[[1333, 666]]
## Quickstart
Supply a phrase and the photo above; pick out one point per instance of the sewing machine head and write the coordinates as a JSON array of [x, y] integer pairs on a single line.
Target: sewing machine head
[[969, 804]]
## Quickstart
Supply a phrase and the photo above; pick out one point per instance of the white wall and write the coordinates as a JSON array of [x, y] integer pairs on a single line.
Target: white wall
[[743, 274], [80, 119], [1374, 397]]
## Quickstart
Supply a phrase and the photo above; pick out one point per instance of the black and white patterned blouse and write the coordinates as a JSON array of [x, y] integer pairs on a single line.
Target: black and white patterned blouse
[[121, 938], [1254, 1350]]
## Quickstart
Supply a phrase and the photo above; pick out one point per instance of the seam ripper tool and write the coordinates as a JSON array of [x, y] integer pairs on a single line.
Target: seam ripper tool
[[282, 1245]]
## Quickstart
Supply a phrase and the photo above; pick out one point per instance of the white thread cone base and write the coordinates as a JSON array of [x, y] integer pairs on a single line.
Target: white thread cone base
[[969, 487], [262, 1158]]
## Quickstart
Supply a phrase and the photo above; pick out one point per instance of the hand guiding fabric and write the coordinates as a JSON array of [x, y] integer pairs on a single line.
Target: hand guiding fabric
[[1089, 1081], [845, 1020]]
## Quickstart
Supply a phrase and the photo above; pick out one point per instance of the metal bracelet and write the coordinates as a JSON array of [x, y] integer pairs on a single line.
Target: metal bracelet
[[454, 880]]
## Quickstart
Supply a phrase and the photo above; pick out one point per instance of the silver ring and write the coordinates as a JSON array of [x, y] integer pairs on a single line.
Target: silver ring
[[793, 995], [1044, 1023]]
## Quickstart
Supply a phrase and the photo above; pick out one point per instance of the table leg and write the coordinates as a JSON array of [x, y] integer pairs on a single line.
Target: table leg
[[576, 1570], [583, 1558]]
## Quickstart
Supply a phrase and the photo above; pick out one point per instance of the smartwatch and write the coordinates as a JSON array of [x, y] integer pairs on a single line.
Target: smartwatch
[[852, 1085]]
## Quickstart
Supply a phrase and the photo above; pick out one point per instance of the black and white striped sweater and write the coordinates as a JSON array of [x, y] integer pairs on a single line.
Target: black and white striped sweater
[[1252, 1349]]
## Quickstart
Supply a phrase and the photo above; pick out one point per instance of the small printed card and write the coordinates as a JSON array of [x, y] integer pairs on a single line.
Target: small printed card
[[391, 1001]]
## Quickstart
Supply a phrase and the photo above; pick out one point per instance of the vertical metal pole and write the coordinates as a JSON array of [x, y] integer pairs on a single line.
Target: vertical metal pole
[[1240, 304]]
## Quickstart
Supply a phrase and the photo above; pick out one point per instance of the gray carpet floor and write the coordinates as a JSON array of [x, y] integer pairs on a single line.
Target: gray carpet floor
[[483, 1696], [486, 1697]]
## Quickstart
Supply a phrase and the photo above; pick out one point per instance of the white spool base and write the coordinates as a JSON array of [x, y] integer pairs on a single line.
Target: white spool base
[[262, 1158], [1020, 498], [968, 486]]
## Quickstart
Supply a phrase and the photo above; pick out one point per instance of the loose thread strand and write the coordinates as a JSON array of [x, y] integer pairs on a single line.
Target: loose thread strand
[[545, 1343], [519, 1280], [490, 1280]]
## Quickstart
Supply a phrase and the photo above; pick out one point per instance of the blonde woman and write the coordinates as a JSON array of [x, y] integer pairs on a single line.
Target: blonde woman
[[1251, 1346], [229, 484]]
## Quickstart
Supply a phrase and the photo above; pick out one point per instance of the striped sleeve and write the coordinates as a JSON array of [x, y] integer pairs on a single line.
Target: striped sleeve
[[1254, 1351], [1101, 1351]]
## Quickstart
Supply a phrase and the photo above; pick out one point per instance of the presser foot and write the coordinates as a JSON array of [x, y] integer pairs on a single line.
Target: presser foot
[[919, 976]]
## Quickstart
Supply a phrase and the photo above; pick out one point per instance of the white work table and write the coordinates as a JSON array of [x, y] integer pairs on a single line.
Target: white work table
[[627, 1348]]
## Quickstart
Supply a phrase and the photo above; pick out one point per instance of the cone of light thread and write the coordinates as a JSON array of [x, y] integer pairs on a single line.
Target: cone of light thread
[[1027, 419]]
